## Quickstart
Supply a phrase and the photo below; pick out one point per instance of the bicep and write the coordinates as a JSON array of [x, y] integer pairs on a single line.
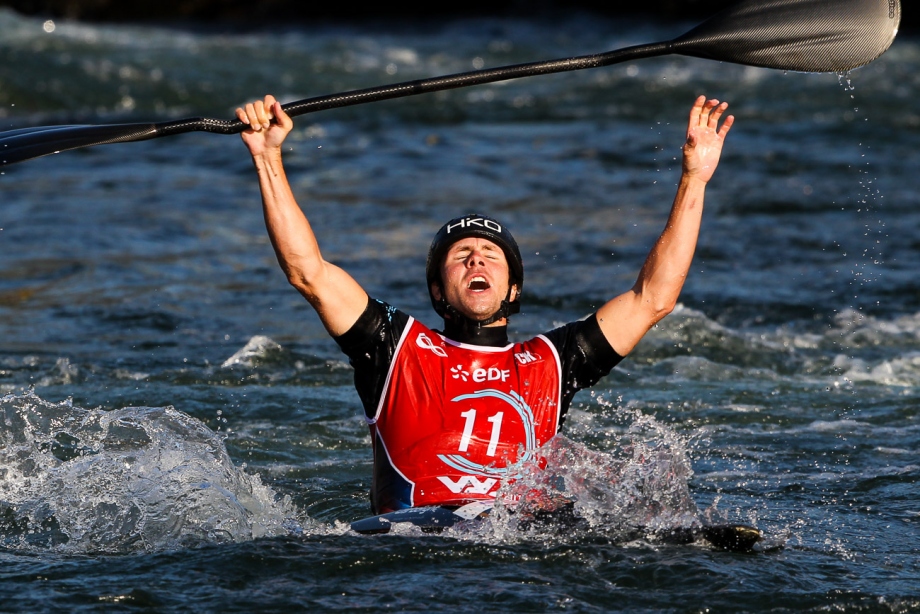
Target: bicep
[[624, 320], [337, 298]]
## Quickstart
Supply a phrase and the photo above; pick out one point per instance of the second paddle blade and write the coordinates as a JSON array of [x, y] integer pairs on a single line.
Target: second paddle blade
[[28, 143], [798, 35]]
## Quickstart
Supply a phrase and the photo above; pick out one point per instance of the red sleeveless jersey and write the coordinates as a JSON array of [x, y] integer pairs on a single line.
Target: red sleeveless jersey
[[453, 418]]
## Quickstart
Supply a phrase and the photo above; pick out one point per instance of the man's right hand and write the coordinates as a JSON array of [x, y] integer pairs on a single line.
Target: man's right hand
[[264, 135]]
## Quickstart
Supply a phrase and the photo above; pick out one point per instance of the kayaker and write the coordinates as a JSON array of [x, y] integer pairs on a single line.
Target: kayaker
[[450, 410]]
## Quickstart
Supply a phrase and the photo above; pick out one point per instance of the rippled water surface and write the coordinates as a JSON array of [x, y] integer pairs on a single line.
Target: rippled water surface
[[177, 431]]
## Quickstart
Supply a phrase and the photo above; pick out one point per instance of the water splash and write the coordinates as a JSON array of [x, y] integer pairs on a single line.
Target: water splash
[[80, 480], [638, 489], [257, 349], [868, 204]]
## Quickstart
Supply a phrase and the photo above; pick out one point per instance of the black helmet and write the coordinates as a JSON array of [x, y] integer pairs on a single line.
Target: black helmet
[[482, 226]]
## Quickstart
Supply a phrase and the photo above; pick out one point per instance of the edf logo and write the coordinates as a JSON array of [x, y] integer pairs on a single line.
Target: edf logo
[[491, 374]]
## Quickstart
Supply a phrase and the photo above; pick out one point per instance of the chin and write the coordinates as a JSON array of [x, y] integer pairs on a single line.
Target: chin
[[478, 315]]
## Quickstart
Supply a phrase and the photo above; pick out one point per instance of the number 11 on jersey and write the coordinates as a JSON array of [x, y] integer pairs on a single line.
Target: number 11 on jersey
[[470, 416]]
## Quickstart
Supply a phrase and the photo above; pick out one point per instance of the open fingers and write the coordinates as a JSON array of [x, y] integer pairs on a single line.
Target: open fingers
[[726, 126], [696, 111], [707, 114], [710, 113], [716, 111]]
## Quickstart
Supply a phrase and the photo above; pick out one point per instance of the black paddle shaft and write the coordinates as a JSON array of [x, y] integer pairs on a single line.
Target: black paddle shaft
[[424, 86], [795, 35]]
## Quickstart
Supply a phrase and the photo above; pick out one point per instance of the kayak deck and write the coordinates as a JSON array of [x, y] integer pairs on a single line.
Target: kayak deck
[[434, 519]]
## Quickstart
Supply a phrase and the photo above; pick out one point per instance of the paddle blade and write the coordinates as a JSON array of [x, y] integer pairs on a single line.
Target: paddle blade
[[798, 35], [28, 143]]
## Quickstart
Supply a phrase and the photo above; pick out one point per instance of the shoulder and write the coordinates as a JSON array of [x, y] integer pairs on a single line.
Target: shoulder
[[585, 341], [379, 323]]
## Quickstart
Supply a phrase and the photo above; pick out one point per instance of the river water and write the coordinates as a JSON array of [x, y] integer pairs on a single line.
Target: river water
[[178, 432]]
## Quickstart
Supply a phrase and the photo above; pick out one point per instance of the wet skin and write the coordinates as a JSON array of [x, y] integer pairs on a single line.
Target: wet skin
[[475, 277]]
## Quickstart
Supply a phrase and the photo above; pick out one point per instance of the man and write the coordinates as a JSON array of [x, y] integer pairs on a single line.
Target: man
[[450, 411]]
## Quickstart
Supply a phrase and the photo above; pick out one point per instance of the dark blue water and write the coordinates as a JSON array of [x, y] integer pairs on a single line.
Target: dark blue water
[[178, 433]]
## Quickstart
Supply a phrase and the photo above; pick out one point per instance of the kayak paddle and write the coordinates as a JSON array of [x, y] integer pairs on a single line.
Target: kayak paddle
[[794, 35]]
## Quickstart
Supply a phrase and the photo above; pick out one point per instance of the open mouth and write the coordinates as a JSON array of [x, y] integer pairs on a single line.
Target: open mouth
[[478, 283]]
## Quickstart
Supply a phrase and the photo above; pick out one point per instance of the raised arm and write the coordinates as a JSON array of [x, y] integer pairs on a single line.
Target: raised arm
[[333, 293], [627, 318]]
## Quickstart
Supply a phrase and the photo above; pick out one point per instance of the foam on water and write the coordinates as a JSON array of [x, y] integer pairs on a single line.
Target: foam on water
[[690, 345], [257, 348]]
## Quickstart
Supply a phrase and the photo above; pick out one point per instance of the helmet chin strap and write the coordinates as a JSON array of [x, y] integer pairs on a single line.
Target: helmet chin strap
[[505, 310], [469, 323]]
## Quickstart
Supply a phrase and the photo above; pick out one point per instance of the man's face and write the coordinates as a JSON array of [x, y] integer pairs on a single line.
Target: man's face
[[475, 275]]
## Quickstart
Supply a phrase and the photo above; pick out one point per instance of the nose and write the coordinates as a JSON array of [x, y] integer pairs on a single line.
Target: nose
[[475, 257]]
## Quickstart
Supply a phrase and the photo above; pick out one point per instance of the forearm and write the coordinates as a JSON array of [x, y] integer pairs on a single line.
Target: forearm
[[290, 232], [665, 270], [626, 318]]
